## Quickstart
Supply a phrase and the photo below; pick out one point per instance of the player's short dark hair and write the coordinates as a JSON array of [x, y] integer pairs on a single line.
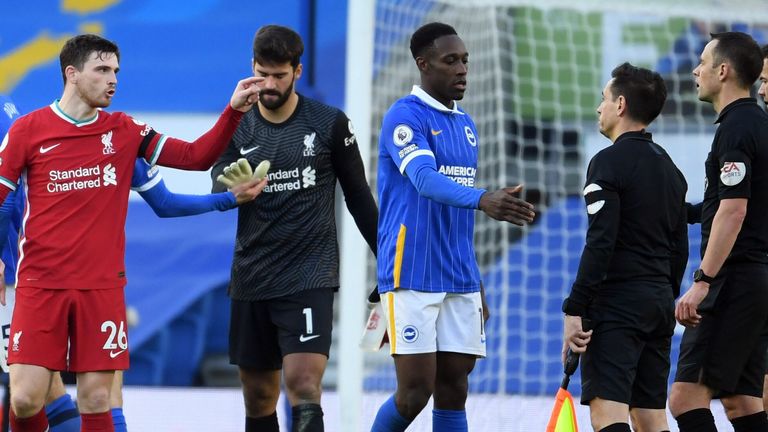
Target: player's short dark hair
[[424, 37], [765, 51], [274, 45], [742, 53], [76, 51], [643, 89]]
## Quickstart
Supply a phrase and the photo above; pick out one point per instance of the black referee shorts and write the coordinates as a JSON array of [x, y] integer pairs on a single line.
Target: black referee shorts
[[262, 332], [627, 359], [727, 351]]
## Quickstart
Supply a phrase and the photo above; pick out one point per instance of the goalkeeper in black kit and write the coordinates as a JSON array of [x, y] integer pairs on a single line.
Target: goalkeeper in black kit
[[632, 264], [285, 268]]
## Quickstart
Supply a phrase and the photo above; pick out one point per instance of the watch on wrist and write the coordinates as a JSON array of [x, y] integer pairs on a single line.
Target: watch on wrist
[[700, 276]]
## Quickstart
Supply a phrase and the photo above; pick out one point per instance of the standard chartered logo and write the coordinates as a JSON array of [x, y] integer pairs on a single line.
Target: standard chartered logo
[[81, 178], [308, 177], [293, 179], [110, 178]]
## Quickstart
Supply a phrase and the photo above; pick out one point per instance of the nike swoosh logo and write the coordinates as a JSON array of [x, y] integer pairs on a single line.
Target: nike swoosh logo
[[44, 150], [303, 338], [113, 354], [245, 152], [436, 132]]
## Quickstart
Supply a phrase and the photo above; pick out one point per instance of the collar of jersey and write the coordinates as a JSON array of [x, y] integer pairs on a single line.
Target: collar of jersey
[[429, 100], [734, 104], [59, 112]]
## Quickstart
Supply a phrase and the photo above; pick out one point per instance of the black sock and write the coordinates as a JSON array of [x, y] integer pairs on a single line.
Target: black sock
[[307, 418], [698, 420], [262, 424], [616, 427], [757, 422]]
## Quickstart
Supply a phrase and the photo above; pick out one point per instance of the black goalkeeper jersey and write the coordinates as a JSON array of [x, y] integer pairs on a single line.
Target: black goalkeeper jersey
[[286, 238]]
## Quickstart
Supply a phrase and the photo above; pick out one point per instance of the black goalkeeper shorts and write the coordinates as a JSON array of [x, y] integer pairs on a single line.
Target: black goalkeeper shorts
[[727, 350], [627, 359], [262, 332]]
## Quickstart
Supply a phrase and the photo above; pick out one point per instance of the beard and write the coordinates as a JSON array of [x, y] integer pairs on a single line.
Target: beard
[[94, 98], [273, 104]]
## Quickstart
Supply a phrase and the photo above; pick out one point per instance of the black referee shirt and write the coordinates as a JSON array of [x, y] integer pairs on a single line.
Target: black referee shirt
[[635, 198], [286, 238], [737, 167]]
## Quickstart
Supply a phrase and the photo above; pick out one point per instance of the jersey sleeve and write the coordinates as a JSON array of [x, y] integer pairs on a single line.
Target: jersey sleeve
[[200, 154], [601, 196], [734, 157], [145, 176], [167, 204], [348, 166], [13, 158], [679, 256], [404, 139]]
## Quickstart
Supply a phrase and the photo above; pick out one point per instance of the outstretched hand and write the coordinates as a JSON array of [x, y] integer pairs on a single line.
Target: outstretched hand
[[248, 191], [241, 172], [504, 205], [246, 94]]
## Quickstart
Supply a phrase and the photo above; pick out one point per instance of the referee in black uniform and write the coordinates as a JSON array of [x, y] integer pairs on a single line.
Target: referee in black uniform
[[763, 93], [633, 261], [286, 261], [723, 350]]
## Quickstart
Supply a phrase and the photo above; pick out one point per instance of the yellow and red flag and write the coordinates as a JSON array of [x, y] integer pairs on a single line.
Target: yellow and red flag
[[563, 418]]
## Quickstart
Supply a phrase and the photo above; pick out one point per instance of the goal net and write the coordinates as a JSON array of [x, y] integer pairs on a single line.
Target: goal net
[[536, 71]]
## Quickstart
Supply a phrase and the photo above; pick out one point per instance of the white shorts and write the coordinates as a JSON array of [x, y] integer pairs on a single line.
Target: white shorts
[[6, 313], [424, 322]]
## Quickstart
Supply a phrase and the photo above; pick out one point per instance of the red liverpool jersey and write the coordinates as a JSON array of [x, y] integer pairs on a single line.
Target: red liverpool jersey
[[77, 177]]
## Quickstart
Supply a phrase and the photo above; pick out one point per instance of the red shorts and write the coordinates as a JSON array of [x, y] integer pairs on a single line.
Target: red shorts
[[89, 324]]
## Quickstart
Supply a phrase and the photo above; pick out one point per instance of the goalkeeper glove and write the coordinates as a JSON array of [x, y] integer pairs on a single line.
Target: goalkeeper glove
[[240, 172]]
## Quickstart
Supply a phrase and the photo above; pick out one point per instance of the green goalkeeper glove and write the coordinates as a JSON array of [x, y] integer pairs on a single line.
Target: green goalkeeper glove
[[240, 172]]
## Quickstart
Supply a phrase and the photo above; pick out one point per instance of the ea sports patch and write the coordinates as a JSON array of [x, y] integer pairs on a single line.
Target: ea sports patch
[[732, 173], [403, 135], [593, 206]]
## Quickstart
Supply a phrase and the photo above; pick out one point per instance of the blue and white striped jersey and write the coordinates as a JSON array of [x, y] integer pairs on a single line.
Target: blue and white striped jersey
[[13, 207], [426, 245]]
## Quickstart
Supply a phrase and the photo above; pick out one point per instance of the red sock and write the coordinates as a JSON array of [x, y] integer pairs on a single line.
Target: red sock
[[98, 422], [36, 423]]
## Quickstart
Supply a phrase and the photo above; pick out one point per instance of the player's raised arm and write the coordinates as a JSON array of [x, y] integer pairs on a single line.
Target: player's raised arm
[[202, 153]]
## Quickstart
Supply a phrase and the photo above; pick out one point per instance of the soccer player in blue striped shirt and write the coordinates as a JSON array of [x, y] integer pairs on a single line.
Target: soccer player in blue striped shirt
[[427, 270]]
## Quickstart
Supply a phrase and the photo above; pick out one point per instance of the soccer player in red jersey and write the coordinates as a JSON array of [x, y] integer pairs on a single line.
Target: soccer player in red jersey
[[77, 161]]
